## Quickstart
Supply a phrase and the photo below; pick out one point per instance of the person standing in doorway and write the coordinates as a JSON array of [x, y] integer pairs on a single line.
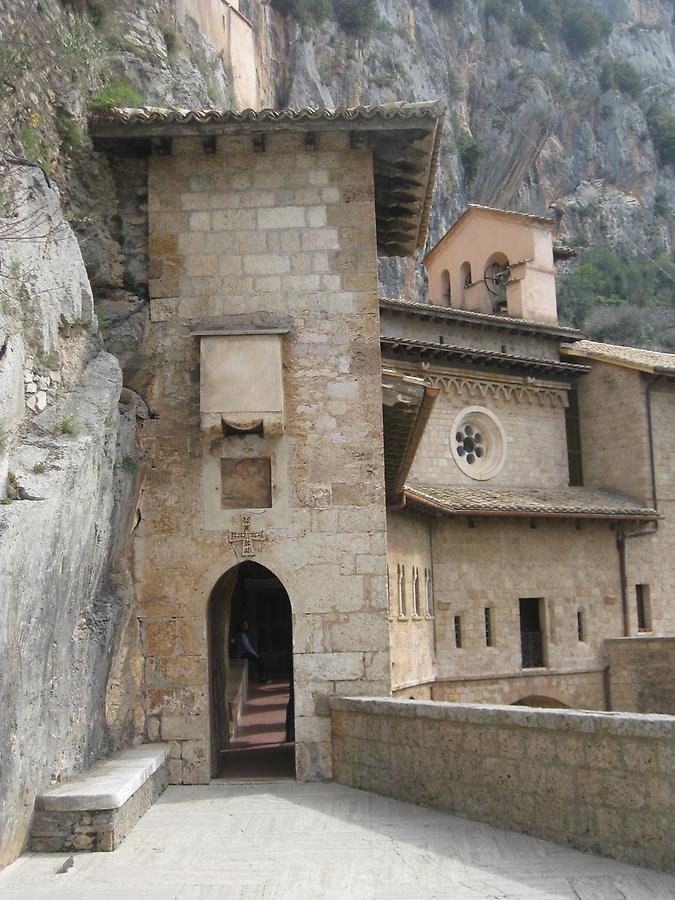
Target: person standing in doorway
[[242, 648]]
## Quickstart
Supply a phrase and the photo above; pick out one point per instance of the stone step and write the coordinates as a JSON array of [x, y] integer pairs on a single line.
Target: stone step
[[97, 810]]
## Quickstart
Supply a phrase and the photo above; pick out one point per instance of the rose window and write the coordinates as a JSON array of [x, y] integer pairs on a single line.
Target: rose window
[[469, 444], [478, 443]]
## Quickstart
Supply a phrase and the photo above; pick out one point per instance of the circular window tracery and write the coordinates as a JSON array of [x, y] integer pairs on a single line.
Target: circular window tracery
[[478, 443]]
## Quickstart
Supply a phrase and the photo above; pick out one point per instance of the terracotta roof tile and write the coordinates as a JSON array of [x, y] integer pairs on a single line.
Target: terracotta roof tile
[[571, 502], [154, 114], [631, 357], [405, 140], [510, 323], [430, 351]]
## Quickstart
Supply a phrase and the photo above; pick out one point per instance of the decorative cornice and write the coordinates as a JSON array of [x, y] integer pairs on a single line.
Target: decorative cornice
[[498, 390]]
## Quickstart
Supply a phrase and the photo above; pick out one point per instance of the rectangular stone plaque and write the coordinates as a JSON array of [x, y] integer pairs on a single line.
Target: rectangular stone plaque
[[246, 483]]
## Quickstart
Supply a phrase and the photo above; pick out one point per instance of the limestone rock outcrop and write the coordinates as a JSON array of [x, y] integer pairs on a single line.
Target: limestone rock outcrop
[[61, 480]]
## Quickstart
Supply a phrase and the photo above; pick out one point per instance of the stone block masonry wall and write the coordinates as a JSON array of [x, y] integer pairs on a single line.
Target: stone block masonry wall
[[532, 416], [285, 238], [642, 674], [615, 449], [496, 563], [614, 431], [597, 781]]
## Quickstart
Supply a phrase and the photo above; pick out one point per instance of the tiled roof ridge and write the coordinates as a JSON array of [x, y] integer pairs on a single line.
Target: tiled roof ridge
[[472, 315], [655, 359], [570, 501], [449, 349], [431, 109], [531, 217]]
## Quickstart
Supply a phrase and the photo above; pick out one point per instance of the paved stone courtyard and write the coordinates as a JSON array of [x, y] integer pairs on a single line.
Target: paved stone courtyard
[[287, 841]]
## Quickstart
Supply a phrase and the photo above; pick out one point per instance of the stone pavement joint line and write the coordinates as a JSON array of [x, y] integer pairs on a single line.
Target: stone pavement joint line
[[292, 841]]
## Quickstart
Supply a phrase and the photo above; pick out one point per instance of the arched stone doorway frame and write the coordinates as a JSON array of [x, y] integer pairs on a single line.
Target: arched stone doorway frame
[[217, 627]]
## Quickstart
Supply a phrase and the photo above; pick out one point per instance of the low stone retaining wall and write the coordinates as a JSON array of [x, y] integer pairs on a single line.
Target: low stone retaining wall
[[642, 674], [602, 782], [98, 810]]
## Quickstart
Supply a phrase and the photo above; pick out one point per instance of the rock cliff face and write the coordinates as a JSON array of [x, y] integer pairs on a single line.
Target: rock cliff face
[[65, 495], [532, 123]]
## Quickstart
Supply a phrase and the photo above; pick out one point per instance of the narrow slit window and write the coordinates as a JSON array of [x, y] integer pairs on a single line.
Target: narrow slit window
[[458, 632], [581, 631], [388, 589], [428, 595], [644, 613], [401, 591], [416, 592], [489, 638]]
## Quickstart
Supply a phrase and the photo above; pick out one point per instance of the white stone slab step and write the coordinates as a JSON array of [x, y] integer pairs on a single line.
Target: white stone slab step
[[109, 784]]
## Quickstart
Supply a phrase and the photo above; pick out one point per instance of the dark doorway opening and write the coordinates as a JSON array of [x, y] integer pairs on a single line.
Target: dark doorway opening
[[531, 635], [252, 720]]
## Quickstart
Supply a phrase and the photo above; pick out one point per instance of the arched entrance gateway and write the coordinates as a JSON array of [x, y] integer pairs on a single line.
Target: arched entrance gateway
[[252, 722]]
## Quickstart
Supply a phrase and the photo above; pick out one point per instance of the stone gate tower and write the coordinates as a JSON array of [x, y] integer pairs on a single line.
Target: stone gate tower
[[264, 231]]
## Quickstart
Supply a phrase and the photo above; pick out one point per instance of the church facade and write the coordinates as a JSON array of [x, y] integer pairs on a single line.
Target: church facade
[[408, 474], [536, 518]]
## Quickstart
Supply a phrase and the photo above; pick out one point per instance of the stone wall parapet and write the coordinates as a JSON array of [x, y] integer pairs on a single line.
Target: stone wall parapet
[[601, 782], [591, 722]]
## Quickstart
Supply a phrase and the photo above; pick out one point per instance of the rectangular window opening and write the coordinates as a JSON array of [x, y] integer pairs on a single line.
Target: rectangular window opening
[[531, 633], [458, 632], [643, 603], [581, 633], [489, 639]]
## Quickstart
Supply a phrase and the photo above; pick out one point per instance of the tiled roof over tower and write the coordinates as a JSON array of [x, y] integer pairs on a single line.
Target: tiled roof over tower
[[403, 137]]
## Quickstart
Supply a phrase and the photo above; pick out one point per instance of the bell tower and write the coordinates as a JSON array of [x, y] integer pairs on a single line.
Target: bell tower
[[498, 262]]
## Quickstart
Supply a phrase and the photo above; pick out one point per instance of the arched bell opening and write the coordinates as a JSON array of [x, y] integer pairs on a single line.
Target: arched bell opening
[[445, 288], [251, 675]]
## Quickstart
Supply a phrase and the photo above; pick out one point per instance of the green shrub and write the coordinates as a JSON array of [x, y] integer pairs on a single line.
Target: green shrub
[[170, 39], [454, 84], [307, 12], [661, 204], [446, 5], [70, 131], [358, 17], [583, 27], [470, 155], [116, 94], [499, 10], [612, 277], [661, 125], [627, 79], [129, 465], [66, 425], [544, 12], [526, 33]]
